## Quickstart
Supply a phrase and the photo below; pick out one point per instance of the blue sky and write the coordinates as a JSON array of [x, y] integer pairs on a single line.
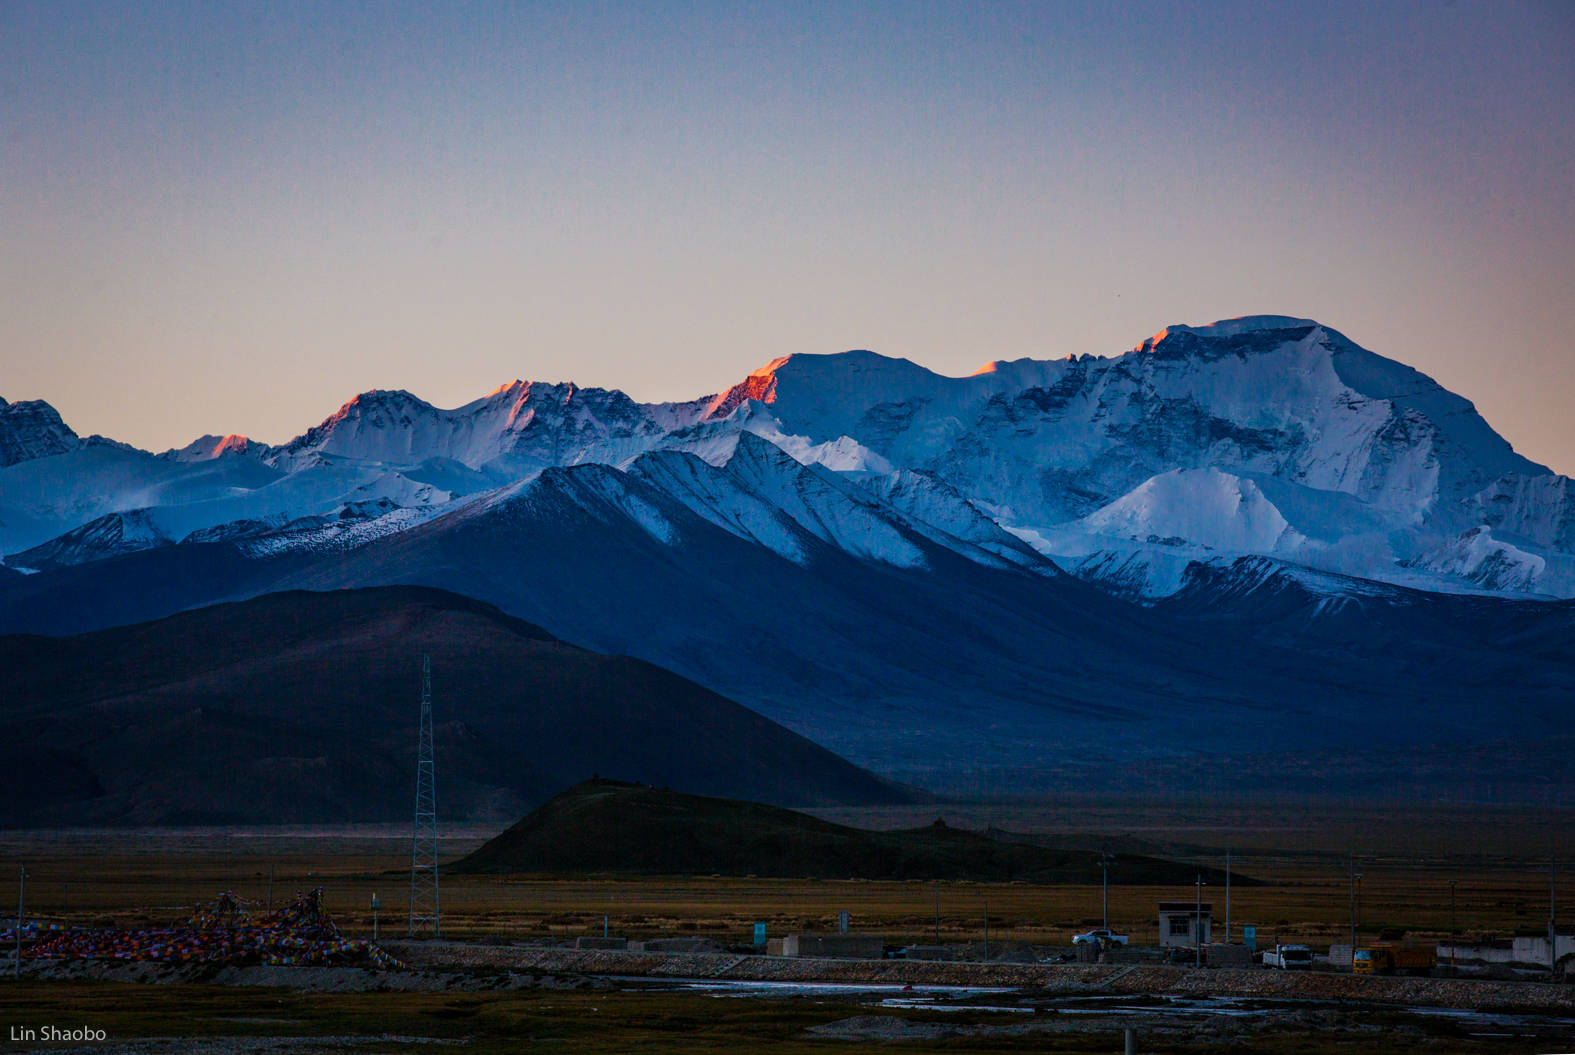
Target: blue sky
[[233, 217]]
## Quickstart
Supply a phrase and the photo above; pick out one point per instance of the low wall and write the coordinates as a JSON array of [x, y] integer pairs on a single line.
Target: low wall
[[675, 945], [601, 943], [1218, 954], [834, 946], [1520, 952]]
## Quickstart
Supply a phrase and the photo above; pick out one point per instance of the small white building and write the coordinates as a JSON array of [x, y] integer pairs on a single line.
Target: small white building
[[1183, 924]]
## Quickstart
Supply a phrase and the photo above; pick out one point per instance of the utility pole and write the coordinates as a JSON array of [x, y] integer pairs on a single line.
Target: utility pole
[[1105, 861], [937, 912], [1453, 941], [986, 928], [1197, 925], [1356, 877], [375, 904], [21, 907], [1227, 895], [1553, 915]]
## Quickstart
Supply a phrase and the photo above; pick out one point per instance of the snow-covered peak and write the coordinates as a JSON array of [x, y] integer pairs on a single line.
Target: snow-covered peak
[[1009, 374], [106, 536], [760, 387], [825, 386], [207, 448], [1304, 347], [1204, 507], [1261, 434], [377, 425], [380, 401], [32, 429], [517, 427], [374, 410], [1409, 390], [507, 388], [1231, 328]]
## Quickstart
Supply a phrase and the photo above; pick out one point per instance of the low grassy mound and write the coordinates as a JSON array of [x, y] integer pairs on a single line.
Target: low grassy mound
[[608, 826]]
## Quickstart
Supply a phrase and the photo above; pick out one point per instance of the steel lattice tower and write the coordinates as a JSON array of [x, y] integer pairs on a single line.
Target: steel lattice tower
[[424, 904]]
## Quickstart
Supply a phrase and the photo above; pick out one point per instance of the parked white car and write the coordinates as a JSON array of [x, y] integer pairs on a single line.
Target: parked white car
[[1098, 935]]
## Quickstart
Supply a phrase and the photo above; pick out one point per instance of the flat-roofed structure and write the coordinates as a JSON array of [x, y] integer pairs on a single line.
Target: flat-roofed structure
[[1184, 924]]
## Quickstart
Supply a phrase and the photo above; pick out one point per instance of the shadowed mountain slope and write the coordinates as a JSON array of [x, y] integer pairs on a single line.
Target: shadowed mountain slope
[[301, 707], [945, 671]]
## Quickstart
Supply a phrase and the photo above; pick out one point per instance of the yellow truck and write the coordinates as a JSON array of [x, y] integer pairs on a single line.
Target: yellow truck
[[1393, 959]]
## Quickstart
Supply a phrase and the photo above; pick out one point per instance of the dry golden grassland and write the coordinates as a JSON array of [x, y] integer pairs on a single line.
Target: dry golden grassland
[[1406, 857]]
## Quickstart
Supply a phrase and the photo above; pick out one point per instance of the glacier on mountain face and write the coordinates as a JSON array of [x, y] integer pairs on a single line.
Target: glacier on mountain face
[[1477, 557], [1538, 509]]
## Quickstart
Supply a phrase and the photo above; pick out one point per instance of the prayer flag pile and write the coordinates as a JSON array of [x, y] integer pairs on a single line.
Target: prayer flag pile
[[223, 931]]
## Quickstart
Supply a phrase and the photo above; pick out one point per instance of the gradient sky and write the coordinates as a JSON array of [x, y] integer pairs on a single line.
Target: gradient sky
[[232, 217]]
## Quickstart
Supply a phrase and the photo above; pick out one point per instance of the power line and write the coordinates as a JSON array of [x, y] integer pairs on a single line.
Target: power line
[[425, 906]]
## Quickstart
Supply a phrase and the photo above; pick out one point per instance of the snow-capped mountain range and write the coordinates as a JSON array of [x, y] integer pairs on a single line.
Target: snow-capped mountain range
[[1265, 436], [1246, 540]]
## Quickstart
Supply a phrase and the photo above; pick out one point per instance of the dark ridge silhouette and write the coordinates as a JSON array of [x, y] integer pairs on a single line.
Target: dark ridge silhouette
[[301, 708]]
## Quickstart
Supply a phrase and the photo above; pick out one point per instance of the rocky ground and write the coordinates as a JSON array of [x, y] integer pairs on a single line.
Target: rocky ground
[[1062, 979], [835, 1003]]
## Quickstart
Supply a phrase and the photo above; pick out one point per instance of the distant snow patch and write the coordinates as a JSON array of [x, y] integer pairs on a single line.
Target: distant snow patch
[[649, 520]]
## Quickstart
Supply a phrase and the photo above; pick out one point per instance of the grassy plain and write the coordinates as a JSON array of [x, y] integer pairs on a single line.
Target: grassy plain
[[1406, 855]]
